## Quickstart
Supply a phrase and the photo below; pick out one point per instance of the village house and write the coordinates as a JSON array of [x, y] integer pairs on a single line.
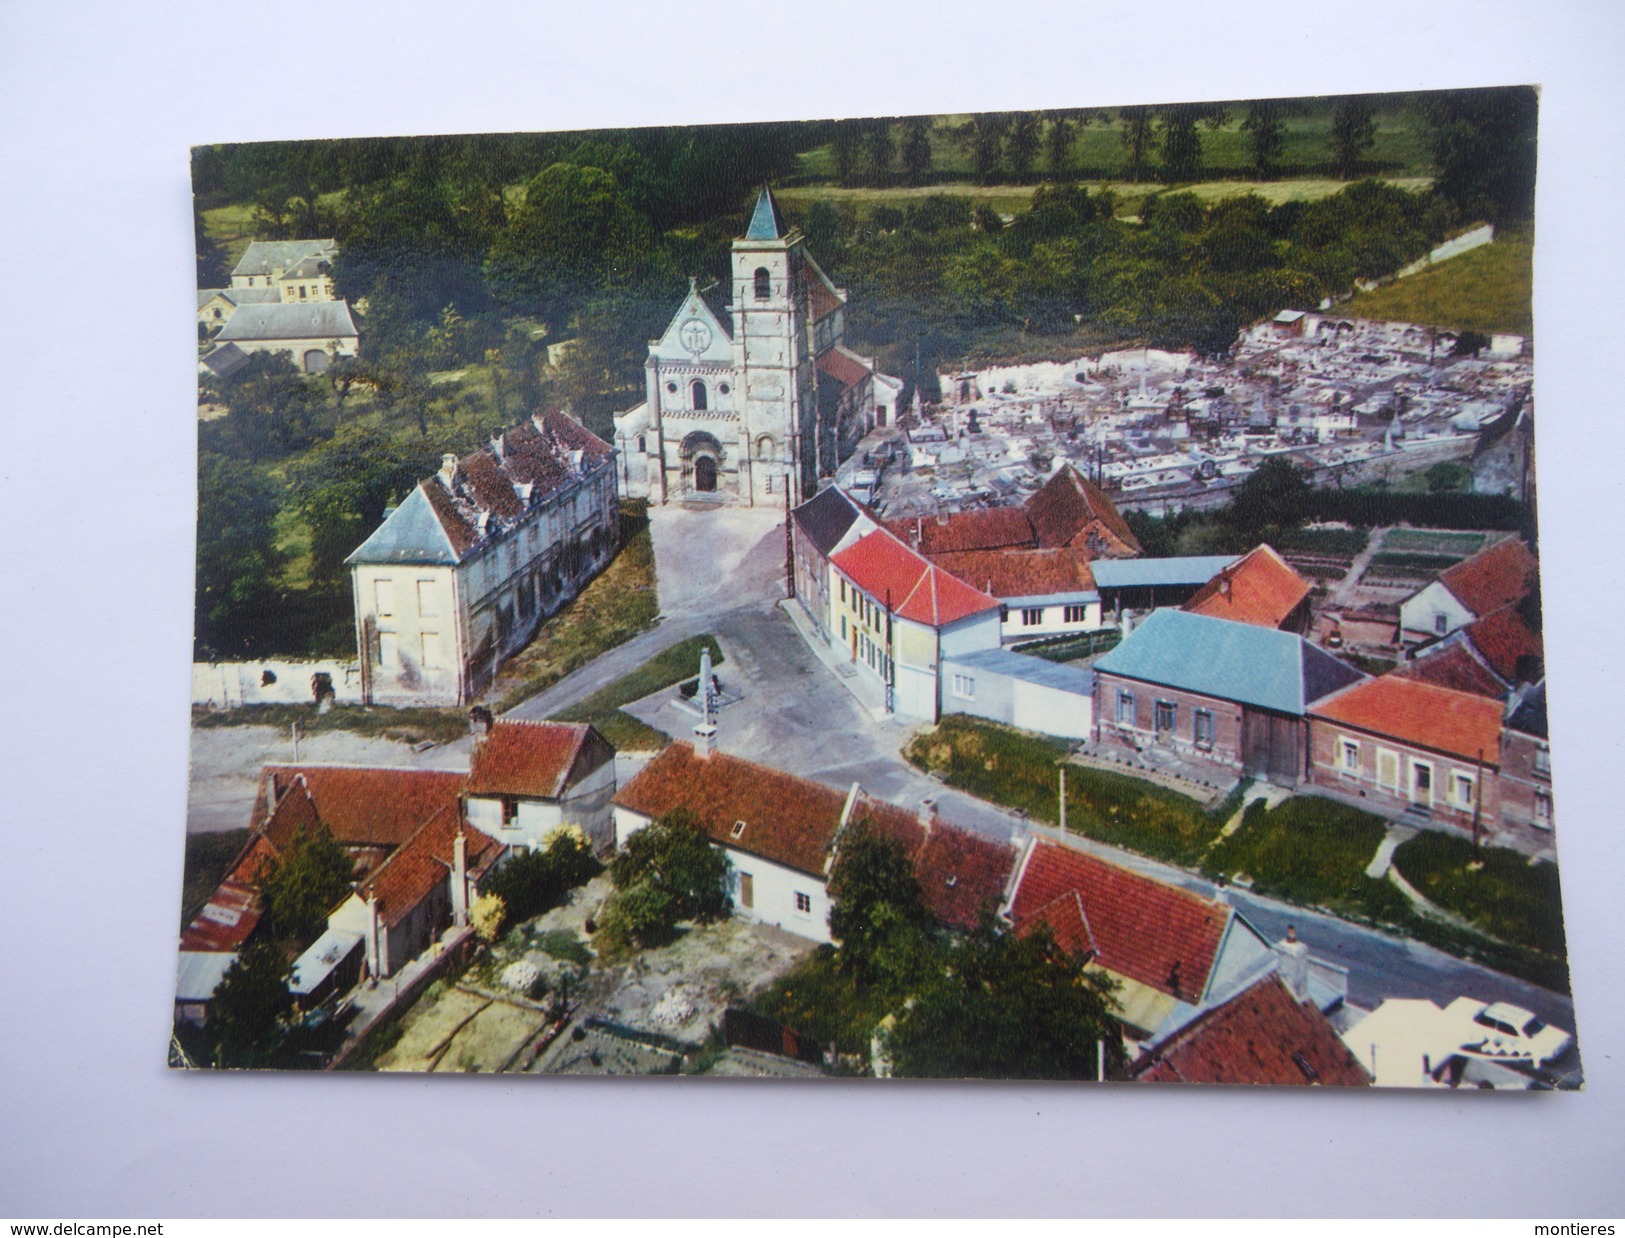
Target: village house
[[526, 779], [1044, 594], [1265, 1034], [782, 834], [755, 400], [1053, 698], [899, 616], [1259, 588], [1526, 768], [1410, 747], [297, 270], [215, 306], [827, 523], [1493, 579], [313, 334], [460, 575], [416, 867], [1172, 953], [1217, 691]]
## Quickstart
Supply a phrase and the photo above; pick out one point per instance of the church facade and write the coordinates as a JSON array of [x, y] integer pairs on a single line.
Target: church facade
[[749, 401]]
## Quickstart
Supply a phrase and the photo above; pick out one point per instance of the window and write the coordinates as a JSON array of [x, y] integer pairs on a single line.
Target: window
[[388, 651], [1032, 616], [965, 686], [1543, 809], [1125, 708], [723, 388], [671, 388], [383, 592], [1077, 614], [1463, 787], [426, 597], [301, 292], [1202, 727], [1004, 614], [1441, 624], [696, 390], [1350, 757], [764, 283], [431, 651], [1167, 715], [1387, 769], [642, 446], [1543, 761], [738, 830], [843, 627], [803, 902], [843, 592]]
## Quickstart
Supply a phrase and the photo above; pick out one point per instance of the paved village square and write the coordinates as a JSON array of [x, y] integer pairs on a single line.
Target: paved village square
[[1156, 714]]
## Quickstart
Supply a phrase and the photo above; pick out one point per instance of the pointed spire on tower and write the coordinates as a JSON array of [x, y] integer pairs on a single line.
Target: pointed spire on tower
[[765, 221]]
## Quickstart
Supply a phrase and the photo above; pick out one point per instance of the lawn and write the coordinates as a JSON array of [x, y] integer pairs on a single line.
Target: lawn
[[207, 856], [619, 603], [671, 665], [1018, 770], [1487, 289], [1507, 898], [1311, 851]]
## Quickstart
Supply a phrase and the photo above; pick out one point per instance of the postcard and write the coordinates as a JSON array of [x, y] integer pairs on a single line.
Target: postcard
[[1024, 595]]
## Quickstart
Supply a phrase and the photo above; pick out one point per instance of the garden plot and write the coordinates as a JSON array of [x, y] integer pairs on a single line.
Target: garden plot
[[429, 1025]]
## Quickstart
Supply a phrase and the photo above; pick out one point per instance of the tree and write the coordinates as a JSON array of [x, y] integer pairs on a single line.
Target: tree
[[1139, 139], [881, 151], [1181, 144], [213, 271], [1266, 136], [1277, 493], [666, 873], [985, 132], [875, 899], [1009, 1007], [1062, 136], [1021, 148], [1448, 477], [536, 881], [245, 1014], [1483, 144], [1354, 130], [342, 486], [488, 915], [237, 555], [271, 410], [916, 151], [305, 882], [847, 147]]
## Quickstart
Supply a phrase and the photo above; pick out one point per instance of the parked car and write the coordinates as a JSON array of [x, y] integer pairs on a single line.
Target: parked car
[[1507, 1032]]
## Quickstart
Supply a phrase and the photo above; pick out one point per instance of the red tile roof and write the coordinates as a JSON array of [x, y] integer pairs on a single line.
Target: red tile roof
[[1493, 578], [1454, 666], [990, 529], [1259, 588], [227, 920], [1068, 504], [1068, 924], [1156, 934], [1419, 713], [1505, 639], [962, 874], [823, 298], [365, 806], [883, 567], [844, 369], [422, 864], [1262, 1035], [532, 759], [1021, 573], [788, 820]]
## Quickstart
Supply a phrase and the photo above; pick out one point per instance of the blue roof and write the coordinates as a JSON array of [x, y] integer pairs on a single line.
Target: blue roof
[[1232, 661], [1025, 667], [765, 224], [412, 533], [1132, 573]]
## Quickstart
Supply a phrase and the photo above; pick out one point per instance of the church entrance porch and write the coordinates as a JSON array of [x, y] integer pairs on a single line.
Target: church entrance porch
[[705, 474]]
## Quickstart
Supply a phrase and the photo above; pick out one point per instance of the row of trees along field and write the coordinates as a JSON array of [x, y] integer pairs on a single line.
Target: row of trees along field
[[467, 255]]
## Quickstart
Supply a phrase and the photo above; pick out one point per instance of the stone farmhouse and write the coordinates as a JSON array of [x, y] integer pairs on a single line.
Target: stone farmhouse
[[280, 300], [459, 576], [754, 400]]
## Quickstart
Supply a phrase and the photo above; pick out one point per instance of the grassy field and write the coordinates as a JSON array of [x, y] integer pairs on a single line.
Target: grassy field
[[207, 856], [1508, 897], [671, 665], [409, 726], [619, 603], [1018, 770], [1311, 851], [1486, 289]]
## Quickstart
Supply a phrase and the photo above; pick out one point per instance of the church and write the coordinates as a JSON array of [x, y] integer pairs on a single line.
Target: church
[[749, 401]]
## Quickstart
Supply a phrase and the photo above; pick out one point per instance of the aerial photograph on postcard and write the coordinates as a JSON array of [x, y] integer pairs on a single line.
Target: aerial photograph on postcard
[[1013, 595]]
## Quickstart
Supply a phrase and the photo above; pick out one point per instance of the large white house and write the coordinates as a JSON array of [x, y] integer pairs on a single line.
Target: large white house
[[460, 575], [756, 397]]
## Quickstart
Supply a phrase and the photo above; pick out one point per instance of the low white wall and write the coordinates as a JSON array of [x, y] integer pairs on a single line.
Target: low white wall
[[226, 685]]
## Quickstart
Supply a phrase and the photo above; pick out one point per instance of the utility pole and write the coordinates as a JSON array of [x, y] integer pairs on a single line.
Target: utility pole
[[891, 663], [1062, 764], [1478, 803], [789, 550], [294, 728]]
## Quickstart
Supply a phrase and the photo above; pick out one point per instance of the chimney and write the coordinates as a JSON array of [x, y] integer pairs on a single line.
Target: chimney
[[480, 722], [1224, 583], [704, 740], [928, 812], [448, 469], [1294, 963], [459, 879], [497, 446]]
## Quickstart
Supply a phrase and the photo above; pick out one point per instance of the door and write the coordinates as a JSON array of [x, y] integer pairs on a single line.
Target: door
[[1421, 784], [747, 890], [705, 474]]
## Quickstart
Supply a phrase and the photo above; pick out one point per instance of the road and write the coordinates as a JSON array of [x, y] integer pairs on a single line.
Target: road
[[721, 571]]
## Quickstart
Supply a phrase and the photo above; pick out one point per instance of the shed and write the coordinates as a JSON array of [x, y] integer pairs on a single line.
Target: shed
[[1053, 698]]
